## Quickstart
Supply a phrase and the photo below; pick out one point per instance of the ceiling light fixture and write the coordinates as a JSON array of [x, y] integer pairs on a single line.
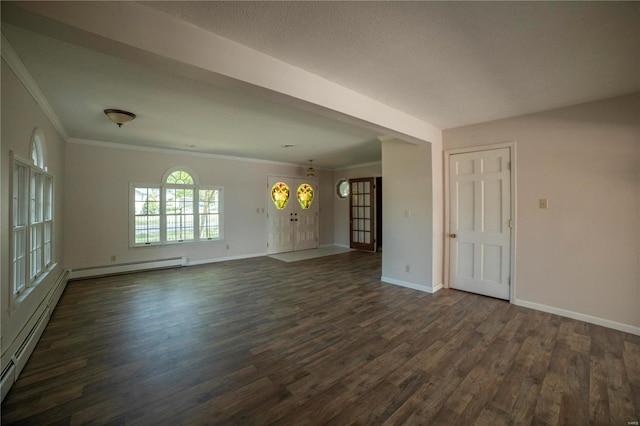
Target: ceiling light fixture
[[310, 171], [119, 116]]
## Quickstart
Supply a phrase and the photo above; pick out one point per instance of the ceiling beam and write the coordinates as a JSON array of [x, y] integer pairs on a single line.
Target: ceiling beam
[[140, 34]]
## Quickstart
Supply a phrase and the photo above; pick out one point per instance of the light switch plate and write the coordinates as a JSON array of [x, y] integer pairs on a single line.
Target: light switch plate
[[544, 203]]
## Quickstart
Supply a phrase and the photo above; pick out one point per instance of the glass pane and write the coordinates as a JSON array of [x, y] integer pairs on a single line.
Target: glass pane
[[48, 198], [367, 188], [367, 236], [20, 194], [280, 193], [305, 195], [342, 189], [208, 201], [367, 200], [180, 177]]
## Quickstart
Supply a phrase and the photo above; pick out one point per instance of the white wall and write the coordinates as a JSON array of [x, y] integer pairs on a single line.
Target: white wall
[[581, 254], [341, 205], [97, 203], [20, 115], [407, 204]]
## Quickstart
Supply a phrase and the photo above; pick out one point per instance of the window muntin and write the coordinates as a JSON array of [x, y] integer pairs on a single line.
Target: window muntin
[[177, 211]]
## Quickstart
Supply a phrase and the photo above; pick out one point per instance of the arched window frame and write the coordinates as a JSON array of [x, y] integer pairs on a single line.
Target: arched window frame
[[183, 213], [38, 149]]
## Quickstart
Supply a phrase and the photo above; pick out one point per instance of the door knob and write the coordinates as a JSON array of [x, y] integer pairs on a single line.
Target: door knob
[[453, 235]]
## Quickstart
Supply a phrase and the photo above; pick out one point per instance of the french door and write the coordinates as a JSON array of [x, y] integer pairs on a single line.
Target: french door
[[361, 213], [292, 214], [480, 222]]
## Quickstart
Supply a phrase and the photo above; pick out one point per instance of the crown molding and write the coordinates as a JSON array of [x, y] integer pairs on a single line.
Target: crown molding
[[15, 63], [115, 145], [357, 166]]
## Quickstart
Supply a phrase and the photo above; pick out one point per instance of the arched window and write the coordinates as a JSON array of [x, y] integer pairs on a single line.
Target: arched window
[[178, 210], [180, 177], [38, 149]]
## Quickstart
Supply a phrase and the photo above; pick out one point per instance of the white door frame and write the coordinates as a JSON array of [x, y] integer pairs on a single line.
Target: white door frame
[[447, 226], [294, 198]]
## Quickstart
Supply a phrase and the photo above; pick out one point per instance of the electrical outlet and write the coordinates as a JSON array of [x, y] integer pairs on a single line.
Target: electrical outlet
[[227, 246], [407, 268], [113, 258]]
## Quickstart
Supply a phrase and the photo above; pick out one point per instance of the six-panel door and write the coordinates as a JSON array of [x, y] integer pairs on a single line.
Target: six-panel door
[[480, 214]]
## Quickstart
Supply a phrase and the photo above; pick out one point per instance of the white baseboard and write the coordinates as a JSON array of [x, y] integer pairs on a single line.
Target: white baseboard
[[124, 268], [223, 259], [414, 286], [339, 245], [578, 316]]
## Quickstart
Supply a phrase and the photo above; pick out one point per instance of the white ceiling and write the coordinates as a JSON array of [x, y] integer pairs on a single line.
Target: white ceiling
[[446, 63]]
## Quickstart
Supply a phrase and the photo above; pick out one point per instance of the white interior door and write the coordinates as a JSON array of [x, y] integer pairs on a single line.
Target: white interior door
[[480, 222], [294, 225]]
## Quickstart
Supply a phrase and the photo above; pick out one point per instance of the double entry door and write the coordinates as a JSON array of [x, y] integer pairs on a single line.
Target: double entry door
[[292, 215]]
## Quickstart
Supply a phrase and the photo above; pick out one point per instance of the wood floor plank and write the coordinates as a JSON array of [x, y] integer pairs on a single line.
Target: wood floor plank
[[321, 341]]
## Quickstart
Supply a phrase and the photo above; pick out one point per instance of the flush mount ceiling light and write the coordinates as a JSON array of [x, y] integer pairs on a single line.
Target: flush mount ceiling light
[[310, 171], [119, 116]]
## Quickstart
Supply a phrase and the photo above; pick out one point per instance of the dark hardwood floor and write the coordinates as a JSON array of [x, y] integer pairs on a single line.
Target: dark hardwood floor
[[321, 341]]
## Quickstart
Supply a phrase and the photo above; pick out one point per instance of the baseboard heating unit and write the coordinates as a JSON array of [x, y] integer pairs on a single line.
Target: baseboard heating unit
[[123, 268], [20, 350]]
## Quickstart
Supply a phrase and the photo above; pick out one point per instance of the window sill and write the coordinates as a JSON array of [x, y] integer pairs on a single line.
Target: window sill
[[18, 299]]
